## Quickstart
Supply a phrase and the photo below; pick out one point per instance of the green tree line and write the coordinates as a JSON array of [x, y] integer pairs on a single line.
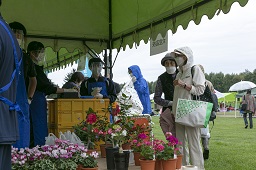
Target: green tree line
[[221, 82]]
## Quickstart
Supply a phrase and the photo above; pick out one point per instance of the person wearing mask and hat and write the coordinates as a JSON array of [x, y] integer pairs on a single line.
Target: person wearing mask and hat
[[26, 87], [185, 86], [98, 86], [165, 85], [38, 106], [141, 87], [10, 57]]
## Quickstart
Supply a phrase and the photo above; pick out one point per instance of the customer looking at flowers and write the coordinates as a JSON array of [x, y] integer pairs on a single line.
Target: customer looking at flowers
[[185, 86], [165, 85]]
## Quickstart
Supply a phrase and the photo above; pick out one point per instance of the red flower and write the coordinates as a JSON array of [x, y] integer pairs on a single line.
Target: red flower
[[91, 118]]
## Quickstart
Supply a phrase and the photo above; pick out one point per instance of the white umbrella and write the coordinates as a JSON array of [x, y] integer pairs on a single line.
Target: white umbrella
[[242, 85]]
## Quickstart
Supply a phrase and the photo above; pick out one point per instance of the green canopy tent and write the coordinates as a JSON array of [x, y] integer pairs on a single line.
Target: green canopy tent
[[242, 93], [104, 24]]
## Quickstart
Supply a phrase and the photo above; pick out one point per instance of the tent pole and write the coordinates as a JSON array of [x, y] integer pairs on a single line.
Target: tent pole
[[235, 107], [110, 38]]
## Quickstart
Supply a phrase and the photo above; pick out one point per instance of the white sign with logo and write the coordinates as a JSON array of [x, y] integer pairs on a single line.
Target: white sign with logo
[[159, 45]]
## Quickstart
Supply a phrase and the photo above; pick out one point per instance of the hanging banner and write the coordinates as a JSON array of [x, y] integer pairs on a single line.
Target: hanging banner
[[159, 45]]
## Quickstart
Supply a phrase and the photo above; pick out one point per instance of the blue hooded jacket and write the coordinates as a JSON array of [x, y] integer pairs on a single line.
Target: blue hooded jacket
[[141, 86]]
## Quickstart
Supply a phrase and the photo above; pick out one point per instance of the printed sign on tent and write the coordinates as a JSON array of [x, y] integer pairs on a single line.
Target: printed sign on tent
[[159, 45]]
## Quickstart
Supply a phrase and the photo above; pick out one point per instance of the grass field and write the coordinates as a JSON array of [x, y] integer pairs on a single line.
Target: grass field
[[232, 147]]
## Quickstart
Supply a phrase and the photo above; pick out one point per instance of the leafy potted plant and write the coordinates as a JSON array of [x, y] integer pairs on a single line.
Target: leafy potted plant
[[88, 130], [87, 161], [165, 152], [62, 156], [147, 160]]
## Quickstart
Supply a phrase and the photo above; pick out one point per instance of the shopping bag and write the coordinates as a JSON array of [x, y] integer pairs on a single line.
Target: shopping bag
[[50, 139], [193, 113]]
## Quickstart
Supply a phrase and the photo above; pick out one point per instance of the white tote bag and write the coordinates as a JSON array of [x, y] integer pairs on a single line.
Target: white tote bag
[[193, 113]]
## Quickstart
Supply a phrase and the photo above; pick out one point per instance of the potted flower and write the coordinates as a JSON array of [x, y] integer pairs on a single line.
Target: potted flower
[[62, 156], [136, 146], [165, 151], [85, 160], [88, 130], [147, 160]]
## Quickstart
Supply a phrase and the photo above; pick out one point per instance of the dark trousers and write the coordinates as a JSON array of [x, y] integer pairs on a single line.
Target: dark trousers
[[5, 157], [250, 119]]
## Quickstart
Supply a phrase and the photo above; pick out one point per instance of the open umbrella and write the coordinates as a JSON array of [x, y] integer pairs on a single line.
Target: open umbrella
[[242, 85]]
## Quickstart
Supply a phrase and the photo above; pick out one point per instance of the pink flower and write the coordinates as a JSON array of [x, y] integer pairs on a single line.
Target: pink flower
[[91, 118], [142, 136], [172, 140]]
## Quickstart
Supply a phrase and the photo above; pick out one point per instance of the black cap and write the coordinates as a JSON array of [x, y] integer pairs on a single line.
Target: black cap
[[18, 26], [94, 60], [34, 46], [168, 57]]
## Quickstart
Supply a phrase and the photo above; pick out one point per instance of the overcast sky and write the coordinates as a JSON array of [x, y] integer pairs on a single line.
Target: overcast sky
[[226, 43]]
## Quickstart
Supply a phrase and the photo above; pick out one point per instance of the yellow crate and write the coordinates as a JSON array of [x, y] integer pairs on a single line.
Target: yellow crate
[[65, 113]]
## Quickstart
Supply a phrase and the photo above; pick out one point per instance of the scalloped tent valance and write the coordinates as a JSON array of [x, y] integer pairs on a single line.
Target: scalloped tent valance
[[105, 24]]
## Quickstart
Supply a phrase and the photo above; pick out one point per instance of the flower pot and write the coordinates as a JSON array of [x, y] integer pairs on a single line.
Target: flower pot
[[169, 164], [158, 165], [110, 157], [96, 168], [79, 167], [126, 146], [179, 162], [137, 158], [103, 150], [147, 164], [121, 160], [89, 151]]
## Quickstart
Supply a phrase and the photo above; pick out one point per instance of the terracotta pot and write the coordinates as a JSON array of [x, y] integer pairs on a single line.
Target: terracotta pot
[[147, 164], [96, 168], [89, 151], [79, 167], [103, 150], [158, 165], [126, 146], [169, 164], [179, 162], [136, 158]]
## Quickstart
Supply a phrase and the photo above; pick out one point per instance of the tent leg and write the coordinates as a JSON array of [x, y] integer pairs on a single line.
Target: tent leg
[[235, 107]]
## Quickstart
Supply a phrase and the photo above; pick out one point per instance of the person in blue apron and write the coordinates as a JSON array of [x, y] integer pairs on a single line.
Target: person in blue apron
[[26, 87], [10, 59], [141, 86], [38, 106], [98, 86]]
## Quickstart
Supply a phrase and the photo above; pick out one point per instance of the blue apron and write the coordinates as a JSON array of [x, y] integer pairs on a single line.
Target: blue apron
[[38, 111], [103, 91], [101, 84], [13, 105], [23, 117]]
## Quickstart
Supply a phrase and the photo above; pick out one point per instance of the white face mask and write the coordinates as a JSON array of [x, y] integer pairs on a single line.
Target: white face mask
[[170, 70], [41, 57], [21, 43], [131, 75], [179, 61]]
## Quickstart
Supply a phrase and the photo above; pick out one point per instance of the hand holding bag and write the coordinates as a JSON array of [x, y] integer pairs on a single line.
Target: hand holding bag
[[193, 113]]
